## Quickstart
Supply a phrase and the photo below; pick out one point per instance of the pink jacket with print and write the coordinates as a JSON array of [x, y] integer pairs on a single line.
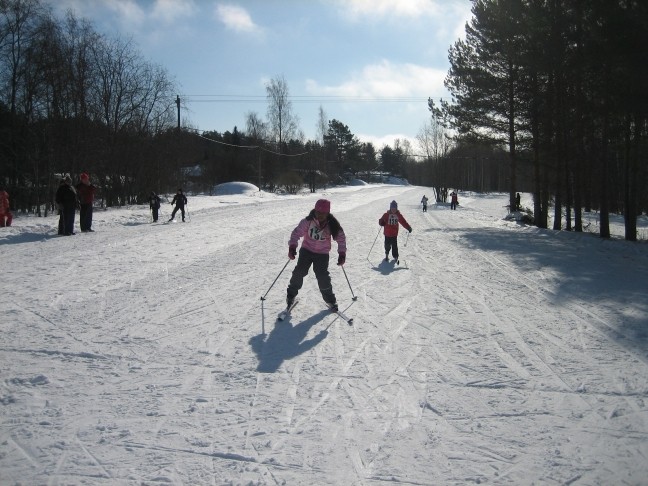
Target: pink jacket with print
[[316, 238]]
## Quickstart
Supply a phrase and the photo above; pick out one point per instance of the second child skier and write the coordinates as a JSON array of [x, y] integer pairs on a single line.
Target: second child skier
[[390, 221]]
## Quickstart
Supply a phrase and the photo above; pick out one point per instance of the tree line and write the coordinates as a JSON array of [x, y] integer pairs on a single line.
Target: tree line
[[548, 97], [561, 85], [75, 100]]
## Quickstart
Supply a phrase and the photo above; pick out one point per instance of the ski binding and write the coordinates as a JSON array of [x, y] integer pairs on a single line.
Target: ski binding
[[286, 312]]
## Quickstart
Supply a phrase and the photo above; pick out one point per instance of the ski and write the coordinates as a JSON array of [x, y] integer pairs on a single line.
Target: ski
[[286, 312], [342, 315]]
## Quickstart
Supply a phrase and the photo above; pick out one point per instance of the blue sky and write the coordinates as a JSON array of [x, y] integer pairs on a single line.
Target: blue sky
[[371, 64]]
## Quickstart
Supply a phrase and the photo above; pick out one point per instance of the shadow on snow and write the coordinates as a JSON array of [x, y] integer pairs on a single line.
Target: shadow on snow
[[590, 269], [387, 267], [285, 342]]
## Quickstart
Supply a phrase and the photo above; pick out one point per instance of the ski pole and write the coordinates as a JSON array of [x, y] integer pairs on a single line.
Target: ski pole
[[376, 238], [347, 279], [406, 239], [275, 280]]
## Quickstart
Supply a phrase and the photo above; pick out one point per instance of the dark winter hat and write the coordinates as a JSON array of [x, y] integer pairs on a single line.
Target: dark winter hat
[[393, 205], [323, 206]]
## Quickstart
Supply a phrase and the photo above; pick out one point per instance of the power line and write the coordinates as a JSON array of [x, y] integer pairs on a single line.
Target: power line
[[244, 147], [222, 98]]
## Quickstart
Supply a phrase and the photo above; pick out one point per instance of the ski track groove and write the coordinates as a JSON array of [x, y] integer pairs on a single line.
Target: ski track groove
[[371, 370], [93, 457], [539, 290], [581, 325]]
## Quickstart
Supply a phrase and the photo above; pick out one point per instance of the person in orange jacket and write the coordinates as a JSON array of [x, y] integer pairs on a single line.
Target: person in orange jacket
[[86, 192], [5, 212], [390, 221]]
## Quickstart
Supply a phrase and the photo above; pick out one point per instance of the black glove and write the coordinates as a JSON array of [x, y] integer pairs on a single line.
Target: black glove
[[409, 229], [292, 252], [341, 259], [381, 222]]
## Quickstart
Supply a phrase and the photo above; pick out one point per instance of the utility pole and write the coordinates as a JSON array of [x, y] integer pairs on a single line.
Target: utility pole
[[178, 104], [259, 166]]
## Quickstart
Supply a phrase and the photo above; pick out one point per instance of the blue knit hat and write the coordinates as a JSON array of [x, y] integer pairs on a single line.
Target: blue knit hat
[[393, 205]]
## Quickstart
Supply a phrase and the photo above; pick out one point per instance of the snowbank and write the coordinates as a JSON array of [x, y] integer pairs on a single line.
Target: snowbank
[[234, 188]]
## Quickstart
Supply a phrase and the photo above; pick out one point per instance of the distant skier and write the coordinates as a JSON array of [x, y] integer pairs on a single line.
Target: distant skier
[[424, 202], [154, 205], [390, 221], [454, 200], [316, 229], [179, 200]]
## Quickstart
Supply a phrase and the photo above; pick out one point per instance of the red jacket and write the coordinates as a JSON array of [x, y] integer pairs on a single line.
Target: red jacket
[[4, 202], [391, 220], [86, 192]]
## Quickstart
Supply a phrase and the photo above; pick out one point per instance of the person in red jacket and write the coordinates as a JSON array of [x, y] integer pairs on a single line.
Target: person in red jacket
[[5, 212], [454, 200], [390, 221], [85, 192]]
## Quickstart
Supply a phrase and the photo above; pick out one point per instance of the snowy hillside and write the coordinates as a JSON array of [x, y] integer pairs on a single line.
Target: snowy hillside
[[494, 353]]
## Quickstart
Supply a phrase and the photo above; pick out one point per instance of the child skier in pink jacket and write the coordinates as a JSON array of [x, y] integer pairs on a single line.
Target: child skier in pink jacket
[[316, 229]]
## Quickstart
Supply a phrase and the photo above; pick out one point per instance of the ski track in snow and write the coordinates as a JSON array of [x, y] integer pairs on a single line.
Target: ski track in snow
[[493, 353]]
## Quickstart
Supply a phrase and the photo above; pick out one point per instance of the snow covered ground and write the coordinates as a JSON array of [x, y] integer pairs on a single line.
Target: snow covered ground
[[494, 353]]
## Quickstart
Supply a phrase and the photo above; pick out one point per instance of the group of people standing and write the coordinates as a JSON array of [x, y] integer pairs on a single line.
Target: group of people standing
[[454, 201], [69, 198], [81, 196]]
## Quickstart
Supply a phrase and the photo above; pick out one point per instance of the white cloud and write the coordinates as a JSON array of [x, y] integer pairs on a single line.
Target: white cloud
[[235, 18], [128, 11], [386, 80], [171, 10], [389, 139], [357, 9]]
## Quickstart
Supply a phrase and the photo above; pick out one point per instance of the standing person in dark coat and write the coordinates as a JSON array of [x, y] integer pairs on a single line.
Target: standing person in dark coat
[[179, 200], [86, 192], [67, 201], [154, 205]]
